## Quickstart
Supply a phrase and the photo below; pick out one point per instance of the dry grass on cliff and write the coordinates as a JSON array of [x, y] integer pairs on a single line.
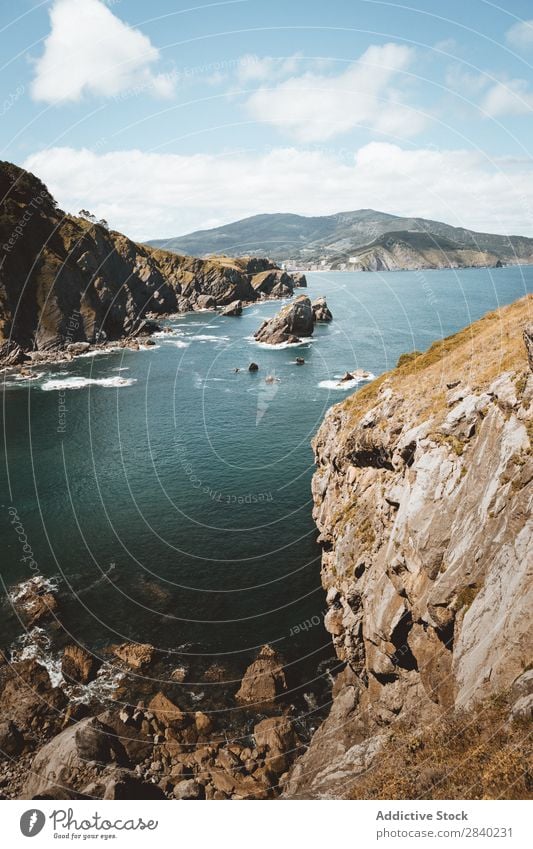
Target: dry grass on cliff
[[475, 355], [477, 754]]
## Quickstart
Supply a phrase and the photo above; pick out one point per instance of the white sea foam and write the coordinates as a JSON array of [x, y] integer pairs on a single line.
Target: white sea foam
[[281, 345], [98, 352], [21, 379], [345, 384], [37, 584], [206, 337], [82, 382], [35, 644], [179, 343]]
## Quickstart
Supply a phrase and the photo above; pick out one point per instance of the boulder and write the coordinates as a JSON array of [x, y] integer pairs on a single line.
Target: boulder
[[60, 763], [321, 311], [78, 665], [523, 685], [188, 789], [291, 322], [235, 308], [28, 698], [35, 600], [523, 708], [78, 348], [253, 367], [300, 280], [166, 712], [276, 734], [135, 655], [204, 723], [11, 740], [131, 744], [264, 680]]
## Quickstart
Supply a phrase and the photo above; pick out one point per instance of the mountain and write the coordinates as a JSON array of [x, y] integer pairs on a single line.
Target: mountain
[[362, 235], [67, 279], [422, 496]]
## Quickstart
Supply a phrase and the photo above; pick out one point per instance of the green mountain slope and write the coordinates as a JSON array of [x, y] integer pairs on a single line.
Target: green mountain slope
[[336, 238]]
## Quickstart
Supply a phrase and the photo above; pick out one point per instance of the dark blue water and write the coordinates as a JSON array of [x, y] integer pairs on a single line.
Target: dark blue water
[[176, 510]]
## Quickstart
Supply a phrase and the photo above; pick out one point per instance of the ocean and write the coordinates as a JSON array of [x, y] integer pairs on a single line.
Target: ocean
[[167, 495]]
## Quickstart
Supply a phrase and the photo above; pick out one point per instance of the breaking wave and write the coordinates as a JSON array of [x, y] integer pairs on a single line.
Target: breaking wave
[[82, 382]]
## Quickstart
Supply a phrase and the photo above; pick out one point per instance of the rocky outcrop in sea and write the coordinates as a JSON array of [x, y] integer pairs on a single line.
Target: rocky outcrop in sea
[[293, 321]]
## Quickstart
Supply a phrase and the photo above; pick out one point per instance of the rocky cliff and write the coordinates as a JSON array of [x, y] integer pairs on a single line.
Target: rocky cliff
[[423, 497], [67, 279], [410, 251]]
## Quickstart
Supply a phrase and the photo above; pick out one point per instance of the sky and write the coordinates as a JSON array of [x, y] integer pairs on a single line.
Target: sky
[[168, 117]]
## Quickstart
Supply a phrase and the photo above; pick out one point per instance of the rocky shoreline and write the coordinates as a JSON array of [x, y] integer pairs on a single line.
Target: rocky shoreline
[[126, 723], [68, 281]]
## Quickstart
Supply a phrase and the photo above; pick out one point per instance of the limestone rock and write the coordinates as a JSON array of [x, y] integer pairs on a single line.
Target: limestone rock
[[166, 712], [523, 708], [28, 698], [78, 665], [35, 600], [204, 723], [321, 311], [57, 766], [292, 321], [422, 497], [277, 735], [235, 308], [188, 789], [135, 655], [264, 681]]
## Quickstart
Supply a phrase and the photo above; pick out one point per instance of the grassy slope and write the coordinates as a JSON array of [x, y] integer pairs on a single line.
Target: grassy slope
[[477, 355]]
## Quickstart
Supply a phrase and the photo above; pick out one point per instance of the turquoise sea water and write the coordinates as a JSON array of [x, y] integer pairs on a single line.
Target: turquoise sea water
[[173, 506]]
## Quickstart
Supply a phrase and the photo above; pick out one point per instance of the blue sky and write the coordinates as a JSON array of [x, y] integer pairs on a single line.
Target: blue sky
[[172, 116]]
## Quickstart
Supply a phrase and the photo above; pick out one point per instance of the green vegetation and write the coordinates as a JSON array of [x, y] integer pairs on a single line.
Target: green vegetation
[[407, 358]]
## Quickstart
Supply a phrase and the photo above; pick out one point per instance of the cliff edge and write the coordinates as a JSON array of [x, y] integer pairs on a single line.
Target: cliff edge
[[422, 497], [66, 279]]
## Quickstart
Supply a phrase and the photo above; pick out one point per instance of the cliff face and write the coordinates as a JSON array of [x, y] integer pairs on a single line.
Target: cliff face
[[65, 279], [409, 251], [423, 501]]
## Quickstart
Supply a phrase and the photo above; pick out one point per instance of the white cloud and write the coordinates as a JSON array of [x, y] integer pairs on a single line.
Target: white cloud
[[465, 82], [316, 107], [520, 36], [513, 97], [253, 68], [91, 51], [149, 195]]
